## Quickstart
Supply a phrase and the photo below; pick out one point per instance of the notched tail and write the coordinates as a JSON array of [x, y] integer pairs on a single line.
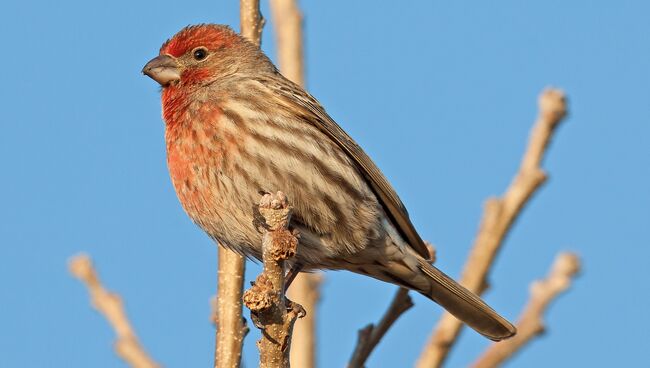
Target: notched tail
[[465, 305]]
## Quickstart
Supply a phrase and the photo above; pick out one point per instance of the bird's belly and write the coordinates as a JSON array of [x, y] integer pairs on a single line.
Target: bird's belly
[[335, 211], [219, 202]]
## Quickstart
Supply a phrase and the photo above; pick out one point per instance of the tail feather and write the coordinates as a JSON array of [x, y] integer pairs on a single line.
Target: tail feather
[[413, 272], [465, 305]]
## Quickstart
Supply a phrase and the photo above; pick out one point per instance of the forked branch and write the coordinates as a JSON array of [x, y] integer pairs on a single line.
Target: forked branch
[[498, 216], [531, 322]]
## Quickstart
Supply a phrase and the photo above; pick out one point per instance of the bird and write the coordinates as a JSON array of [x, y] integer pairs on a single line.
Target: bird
[[235, 127]]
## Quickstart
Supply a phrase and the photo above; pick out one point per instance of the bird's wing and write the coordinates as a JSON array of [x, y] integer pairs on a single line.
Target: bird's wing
[[296, 97]]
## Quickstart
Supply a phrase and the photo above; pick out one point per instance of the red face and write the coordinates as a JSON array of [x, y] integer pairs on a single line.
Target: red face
[[210, 37], [188, 57]]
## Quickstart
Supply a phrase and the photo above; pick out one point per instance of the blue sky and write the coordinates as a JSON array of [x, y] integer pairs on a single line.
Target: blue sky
[[442, 95]]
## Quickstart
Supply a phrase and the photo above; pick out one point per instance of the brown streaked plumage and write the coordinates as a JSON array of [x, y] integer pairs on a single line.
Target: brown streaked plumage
[[236, 127]]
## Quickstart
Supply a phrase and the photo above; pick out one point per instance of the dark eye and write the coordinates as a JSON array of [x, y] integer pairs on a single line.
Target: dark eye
[[200, 54]]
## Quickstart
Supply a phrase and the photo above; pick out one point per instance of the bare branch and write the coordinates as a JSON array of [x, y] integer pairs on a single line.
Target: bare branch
[[110, 305], [305, 290], [370, 335], [251, 21], [288, 31], [231, 328], [287, 20], [272, 313], [498, 216], [531, 324]]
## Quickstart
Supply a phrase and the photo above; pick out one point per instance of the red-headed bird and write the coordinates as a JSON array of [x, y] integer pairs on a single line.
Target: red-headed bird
[[235, 128]]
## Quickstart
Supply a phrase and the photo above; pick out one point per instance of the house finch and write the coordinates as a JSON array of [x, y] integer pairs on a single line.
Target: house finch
[[235, 128]]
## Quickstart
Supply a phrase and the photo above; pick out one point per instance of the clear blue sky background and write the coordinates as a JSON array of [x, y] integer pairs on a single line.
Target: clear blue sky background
[[441, 95]]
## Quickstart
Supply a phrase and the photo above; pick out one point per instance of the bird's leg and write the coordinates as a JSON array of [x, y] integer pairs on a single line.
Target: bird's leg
[[291, 274], [294, 310]]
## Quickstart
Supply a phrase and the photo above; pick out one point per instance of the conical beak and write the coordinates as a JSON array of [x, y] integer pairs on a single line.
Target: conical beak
[[163, 69]]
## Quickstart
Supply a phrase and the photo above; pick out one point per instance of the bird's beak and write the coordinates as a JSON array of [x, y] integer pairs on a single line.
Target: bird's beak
[[163, 69]]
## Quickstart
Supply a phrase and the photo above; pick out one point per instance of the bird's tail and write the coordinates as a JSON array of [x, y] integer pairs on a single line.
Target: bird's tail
[[465, 305], [457, 300]]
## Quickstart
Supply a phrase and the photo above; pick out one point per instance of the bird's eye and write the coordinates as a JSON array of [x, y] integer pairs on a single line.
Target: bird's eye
[[200, 54]]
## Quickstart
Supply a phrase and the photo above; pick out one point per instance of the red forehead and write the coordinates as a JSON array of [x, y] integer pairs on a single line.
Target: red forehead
[[211, 36]]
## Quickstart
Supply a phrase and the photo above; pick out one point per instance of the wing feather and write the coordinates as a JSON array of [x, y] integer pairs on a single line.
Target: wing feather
[[296, 98]]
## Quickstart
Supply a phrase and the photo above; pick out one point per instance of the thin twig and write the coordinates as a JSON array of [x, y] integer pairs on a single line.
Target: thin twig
[[370, 335], [531, 324], [110, 305], [498, 216], [305, 289], [272, 313]]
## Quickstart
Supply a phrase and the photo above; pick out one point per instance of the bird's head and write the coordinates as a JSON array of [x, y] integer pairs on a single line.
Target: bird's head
[[201, 54]]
